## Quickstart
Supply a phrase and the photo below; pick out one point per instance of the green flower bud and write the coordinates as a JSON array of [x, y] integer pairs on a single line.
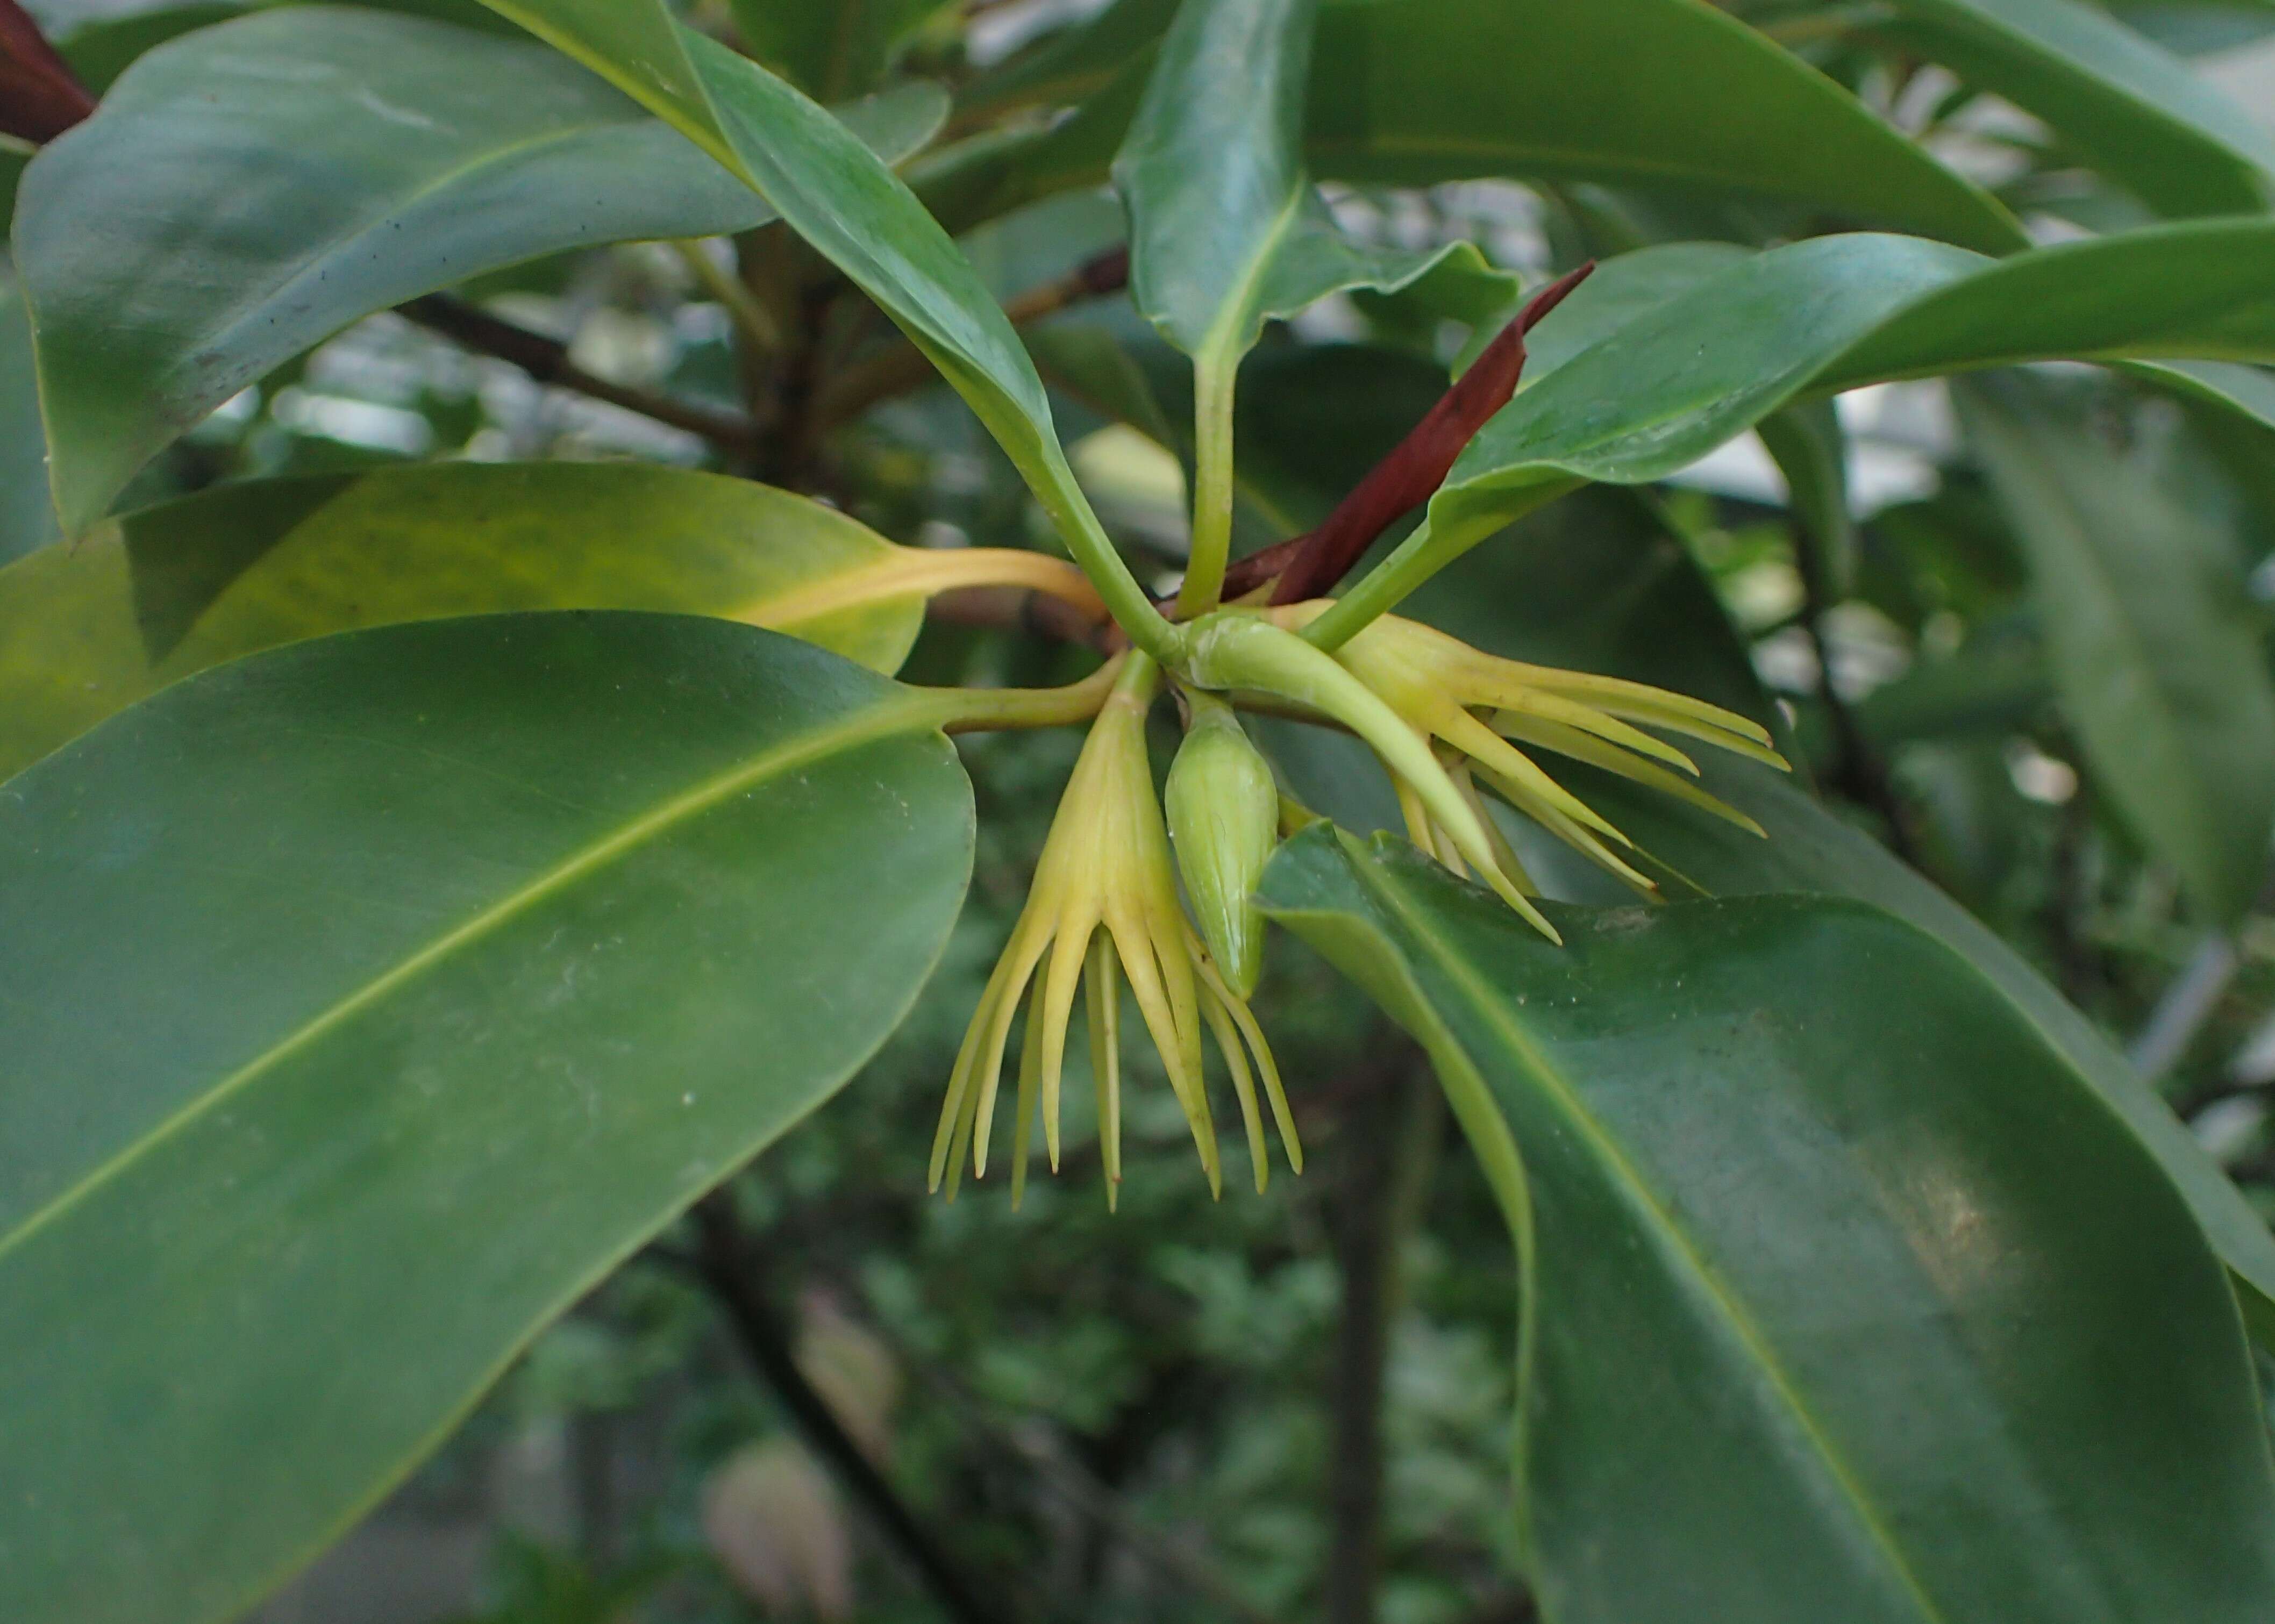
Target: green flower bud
[[1224, 821]]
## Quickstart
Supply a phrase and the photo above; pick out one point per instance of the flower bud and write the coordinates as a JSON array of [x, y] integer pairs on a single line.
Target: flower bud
[[1232, 650], [1224, 821]]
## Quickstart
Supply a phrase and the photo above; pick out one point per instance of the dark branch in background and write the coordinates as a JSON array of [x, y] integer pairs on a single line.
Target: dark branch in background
[[1359, 1223], [1064, 1475], [547, 360], [729, 1266], [1858, 772], [1309, 564], [40, 96], [901, 367]]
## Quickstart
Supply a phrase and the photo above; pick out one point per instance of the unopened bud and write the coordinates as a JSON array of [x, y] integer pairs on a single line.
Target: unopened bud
[[1224, 820]]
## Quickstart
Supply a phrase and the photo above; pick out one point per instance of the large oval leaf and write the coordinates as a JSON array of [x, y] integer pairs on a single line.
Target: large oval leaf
[[2141, 114], [1417, 92], [27, 516], [1846, 1298], [1592, 584], [1811, 849], [152, 596], [248, 190], [367, 1001]]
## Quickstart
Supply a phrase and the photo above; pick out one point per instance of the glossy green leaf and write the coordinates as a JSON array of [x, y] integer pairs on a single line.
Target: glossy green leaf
[[1226, 228], [1833, 313], [2151, 638], [149, 598], [1812, 453], [1638, 606], [2134, 110], [248, 190], [829, 49], [1417, 92], [1590, 584], [1619, 290], [861, 218], [1072, 65], [27, 513], [1845, 1296], [1810, 850], [369, 1001]]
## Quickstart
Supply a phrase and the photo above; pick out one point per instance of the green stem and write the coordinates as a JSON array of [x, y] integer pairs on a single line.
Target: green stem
[[1415, 560], [1212, 396], [751, 319], [1052, 482], [975, 710]]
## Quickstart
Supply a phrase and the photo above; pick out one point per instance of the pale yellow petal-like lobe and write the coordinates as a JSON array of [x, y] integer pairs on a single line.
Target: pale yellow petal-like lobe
[[1618, 695], [1243, 1082], [1055, 1002], [1505, 854], [1023, 1114], [1244, 1021], [1588, 719], [1140, 965], [1502, 759], [956, 1112], [1102, 987], [1416, 816], [1568, 741], [1023, 957]]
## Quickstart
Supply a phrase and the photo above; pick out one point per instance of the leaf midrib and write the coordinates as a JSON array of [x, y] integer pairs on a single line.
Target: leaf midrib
[[1610, 1155], [898, 712]]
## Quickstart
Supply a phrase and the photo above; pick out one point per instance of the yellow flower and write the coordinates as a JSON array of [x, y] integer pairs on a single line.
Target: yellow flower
[[1471, 706], [1105, 900]]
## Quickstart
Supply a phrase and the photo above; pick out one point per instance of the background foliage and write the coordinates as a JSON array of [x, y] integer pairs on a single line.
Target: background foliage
[[2013, 627]]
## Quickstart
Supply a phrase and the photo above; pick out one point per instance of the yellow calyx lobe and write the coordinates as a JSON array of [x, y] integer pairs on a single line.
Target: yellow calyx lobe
[[1240, 651], [1104, 904], [1224, 821], [1475, 709]]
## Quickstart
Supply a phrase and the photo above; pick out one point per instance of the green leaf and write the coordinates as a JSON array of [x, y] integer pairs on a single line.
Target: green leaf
[[1586, 585], [150, 598], [1809, 850], [859, 216], [829, 49], [1810, 449], [102, 48], [249, 190], [2131, 107], [371, 999], [1072, 65], [1992, 686], [27, 514], [1413, 93], [1619, 291], [1845, 1296], [2151, 638], [1638, 606], [1828, 315], [1226, 228]]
